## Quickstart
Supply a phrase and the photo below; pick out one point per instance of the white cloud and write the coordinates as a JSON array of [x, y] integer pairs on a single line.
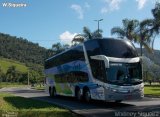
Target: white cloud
[[111, 5], [104, 10], [78, 9], [114, 4], [141, 3], [67, 37]]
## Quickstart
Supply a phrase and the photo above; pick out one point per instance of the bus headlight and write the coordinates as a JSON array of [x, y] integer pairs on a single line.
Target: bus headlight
[[141, 88]]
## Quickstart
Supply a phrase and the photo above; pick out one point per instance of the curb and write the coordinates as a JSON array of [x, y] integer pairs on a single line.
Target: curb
[[151, 96]]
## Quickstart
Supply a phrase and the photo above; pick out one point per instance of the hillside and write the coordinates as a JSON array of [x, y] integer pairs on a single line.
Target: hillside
[[26, 55], [22, 50], [6, 63], [151, 65], [154, 57]]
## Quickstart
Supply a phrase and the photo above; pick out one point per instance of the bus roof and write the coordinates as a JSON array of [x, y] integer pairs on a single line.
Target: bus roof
[[90, 40]]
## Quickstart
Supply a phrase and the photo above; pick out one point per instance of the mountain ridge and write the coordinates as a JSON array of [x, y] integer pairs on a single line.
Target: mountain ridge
[[22, 50], [25, 51], [155, 56]]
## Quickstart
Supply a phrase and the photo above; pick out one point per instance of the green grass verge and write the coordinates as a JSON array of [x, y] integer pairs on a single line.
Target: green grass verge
[[153, 90], [6, 63], [39, 87], [7, 84], [24, 107]]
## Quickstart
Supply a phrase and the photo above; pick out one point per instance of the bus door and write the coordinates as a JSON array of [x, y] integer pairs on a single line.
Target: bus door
[[99, 74]]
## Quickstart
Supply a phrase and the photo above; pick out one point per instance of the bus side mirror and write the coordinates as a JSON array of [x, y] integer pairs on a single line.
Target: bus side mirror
[[103, 58]]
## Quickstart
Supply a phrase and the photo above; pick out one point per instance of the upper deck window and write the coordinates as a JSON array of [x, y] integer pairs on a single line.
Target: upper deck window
[[73, 54]]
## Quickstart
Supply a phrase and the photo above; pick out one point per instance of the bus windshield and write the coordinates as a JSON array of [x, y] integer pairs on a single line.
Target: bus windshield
[[124, 73], [111, 48], [117, 73], [118, 49]]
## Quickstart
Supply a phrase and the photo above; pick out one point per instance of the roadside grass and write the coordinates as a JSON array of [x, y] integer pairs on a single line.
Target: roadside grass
[[39, 87], [153, 90], [24, 107], [8, 84]]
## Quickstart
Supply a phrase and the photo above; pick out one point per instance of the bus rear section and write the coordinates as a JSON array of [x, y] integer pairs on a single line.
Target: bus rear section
[[67, 73]]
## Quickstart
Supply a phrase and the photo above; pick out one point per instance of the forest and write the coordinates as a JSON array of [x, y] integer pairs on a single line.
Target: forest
[[24, 53]]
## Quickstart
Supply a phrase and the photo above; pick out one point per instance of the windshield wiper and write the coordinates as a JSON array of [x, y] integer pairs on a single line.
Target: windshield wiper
[[117, 81], [136, 80]]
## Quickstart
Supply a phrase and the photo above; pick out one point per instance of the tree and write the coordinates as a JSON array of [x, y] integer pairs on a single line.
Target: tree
[[58, 47], [1, 74], [149, 28], [23, 78], [87, 34], [48, 53], [127, 31], [156, 20], [11, 74], [34, 77], [143, 36], [135, 31], [155, 30]]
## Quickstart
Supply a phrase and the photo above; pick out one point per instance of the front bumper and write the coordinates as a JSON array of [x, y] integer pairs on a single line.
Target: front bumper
[[111, 95]]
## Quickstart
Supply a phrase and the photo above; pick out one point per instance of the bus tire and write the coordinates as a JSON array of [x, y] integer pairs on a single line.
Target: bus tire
[[87, 95], [118, 101], [78, 93], [52, 92]]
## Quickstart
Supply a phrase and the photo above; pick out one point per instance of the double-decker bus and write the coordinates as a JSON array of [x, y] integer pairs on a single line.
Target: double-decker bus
[[101, 69]]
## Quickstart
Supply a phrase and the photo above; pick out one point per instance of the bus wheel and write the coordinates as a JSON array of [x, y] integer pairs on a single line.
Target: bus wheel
[[87, 95], [52, 92], [78, 94], [118, 101]]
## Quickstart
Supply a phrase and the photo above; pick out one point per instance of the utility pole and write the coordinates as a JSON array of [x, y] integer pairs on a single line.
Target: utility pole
[[98, 23], [28, 77]]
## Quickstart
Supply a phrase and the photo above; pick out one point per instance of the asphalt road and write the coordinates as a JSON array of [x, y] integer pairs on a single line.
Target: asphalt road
[[147, 107]]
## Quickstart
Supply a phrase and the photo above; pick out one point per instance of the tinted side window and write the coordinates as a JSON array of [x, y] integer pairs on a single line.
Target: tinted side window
[[98, 70], [92, 48], [72, 77], [74, 54]]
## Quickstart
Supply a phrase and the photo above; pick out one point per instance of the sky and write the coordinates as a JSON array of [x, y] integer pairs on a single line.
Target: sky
[[47, 22]]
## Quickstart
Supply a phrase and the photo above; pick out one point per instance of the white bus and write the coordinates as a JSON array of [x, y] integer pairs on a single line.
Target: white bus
[[101, 69]]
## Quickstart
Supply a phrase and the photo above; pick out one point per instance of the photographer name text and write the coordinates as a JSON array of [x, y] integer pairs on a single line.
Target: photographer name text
[[14, 5]]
